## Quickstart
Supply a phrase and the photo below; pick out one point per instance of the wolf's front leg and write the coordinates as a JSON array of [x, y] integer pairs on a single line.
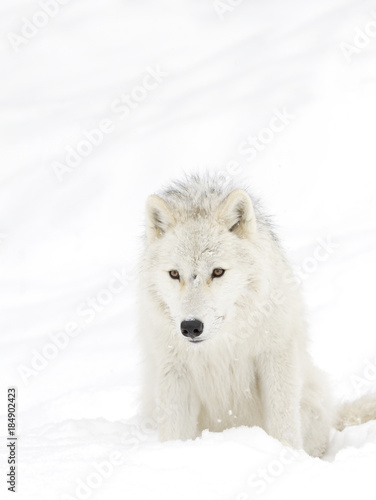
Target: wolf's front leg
[[178, 405], [281, 383]]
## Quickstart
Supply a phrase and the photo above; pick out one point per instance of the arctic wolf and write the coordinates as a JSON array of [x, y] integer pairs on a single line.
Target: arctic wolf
[[222, 323]]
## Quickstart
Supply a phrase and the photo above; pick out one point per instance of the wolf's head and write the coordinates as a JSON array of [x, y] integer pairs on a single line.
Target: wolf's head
[[200, 257]]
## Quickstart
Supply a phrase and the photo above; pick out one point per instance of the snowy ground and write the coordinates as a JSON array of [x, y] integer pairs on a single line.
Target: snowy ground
[[176, 86]]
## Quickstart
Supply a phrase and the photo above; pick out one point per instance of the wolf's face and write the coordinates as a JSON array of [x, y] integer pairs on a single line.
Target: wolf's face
[[199, 265]]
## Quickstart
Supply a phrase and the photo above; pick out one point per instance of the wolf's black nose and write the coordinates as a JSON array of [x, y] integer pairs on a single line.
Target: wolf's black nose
[[192, 328]]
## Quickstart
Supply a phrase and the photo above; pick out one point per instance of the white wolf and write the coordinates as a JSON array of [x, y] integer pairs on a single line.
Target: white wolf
[[223, 326]]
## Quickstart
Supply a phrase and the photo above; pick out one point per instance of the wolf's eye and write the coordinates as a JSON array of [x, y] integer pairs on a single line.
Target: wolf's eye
[[217, 273], [174, 275]]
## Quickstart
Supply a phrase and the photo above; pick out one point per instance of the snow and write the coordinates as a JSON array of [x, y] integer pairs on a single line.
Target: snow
[[201, 89]]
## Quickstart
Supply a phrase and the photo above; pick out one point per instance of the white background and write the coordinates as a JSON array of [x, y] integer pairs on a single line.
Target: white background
[[226, 70]]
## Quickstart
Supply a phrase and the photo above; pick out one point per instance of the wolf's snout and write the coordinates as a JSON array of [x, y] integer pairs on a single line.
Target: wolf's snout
[[192, 328]]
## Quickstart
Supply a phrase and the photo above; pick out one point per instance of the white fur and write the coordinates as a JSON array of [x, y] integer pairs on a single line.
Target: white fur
[[253, 367]]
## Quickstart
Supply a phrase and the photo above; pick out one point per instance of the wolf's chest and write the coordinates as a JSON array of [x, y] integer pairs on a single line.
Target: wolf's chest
[[228, 392]]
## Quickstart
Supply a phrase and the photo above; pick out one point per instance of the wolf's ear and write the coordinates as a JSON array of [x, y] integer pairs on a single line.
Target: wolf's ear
[[158, 217], [236, 212]]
